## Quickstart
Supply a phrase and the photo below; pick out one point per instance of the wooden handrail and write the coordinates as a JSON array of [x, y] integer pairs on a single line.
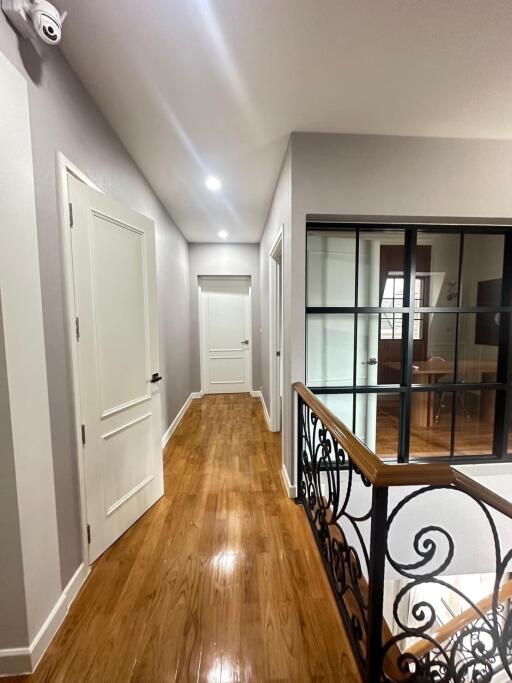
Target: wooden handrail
[[470, 615], [381, 474]]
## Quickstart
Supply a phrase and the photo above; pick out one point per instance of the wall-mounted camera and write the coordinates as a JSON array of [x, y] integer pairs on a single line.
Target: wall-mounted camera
[[35, 18]]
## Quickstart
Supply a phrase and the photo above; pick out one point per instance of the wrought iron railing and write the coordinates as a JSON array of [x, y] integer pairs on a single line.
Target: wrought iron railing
[[394, 538]]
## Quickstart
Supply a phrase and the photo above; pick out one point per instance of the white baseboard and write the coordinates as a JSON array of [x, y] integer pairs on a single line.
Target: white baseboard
[[179, 417], [24, 660], [258, 394], [292, 490]]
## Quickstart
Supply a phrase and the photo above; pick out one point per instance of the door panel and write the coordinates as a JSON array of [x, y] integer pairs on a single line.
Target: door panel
[[225, 317], [122, 339], [115, 297]]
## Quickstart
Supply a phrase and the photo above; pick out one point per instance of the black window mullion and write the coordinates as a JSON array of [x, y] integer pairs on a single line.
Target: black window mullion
[[456, 350], [502, 403], [354, 356]]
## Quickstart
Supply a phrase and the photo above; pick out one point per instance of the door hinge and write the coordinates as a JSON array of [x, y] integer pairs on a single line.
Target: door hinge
[[71, 223], [83, 435], [278, 354], [89, 534], [77, 328]]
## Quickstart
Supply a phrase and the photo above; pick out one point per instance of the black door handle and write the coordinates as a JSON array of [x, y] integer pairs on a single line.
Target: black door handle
[[155, 377]]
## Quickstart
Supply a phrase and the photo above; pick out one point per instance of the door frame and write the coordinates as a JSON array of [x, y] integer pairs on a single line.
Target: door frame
[[276, 248], [200, 278], [65, 168]]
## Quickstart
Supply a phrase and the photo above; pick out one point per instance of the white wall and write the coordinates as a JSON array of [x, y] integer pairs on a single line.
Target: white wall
[[381, 178], [34, 511]]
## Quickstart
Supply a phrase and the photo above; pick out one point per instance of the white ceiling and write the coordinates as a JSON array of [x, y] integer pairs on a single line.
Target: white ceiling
[[195, 87]]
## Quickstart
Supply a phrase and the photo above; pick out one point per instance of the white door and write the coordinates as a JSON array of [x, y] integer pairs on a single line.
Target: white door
[[368, 341], [115, 297], [225, 335]]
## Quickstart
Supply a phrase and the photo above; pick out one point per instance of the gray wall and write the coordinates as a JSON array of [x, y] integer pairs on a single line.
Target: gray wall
[[224, 259], [13, 620], [64, 118]]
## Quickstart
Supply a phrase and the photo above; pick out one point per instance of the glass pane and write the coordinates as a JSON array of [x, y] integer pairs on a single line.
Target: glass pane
[[431, 421], [434, 348], [330, 350], [379, 348], [478, 347], [341, 405], [437, 265], [381, 268], [482, 270], [474, 422], [377, 423], [331, 261]]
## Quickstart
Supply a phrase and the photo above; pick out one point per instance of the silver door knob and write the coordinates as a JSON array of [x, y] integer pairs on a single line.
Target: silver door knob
[[245, 341], [370, 361]]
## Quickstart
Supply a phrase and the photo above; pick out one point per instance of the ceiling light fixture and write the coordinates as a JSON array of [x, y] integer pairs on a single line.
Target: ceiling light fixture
[[213, 183], [222, 234]]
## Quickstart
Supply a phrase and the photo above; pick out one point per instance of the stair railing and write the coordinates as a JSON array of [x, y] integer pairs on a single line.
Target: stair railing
[[414, 525]]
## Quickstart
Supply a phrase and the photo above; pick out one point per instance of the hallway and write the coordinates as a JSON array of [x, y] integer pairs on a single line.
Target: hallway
[[219, 582]]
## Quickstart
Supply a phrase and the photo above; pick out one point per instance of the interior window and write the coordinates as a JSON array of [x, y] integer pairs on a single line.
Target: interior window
[[391, 323]]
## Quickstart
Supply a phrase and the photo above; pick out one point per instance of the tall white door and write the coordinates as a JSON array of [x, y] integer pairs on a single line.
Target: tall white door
[[225, 335], [115, 297], [368, 341]]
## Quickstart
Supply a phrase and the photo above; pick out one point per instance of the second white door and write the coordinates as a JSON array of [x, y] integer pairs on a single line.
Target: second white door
[[225, 335]]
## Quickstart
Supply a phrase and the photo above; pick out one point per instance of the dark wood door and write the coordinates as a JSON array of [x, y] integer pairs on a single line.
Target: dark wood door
[[390, 329]]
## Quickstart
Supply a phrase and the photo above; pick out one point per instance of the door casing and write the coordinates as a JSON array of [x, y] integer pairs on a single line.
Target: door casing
[[65, 168], [275, 321]]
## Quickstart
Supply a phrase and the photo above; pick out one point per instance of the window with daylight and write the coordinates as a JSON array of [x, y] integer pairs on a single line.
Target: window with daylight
[[391, 323], [409, 336]]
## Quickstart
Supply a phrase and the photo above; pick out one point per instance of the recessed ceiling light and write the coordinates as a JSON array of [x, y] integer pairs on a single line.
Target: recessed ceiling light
[[213, 183], [222, 234]]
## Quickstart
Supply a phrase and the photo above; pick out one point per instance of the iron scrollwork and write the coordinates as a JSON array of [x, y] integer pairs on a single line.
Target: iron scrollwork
[[326, 489], [476, 651], [416, 647]]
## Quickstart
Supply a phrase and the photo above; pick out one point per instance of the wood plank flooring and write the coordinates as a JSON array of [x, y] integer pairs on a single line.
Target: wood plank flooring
[[219, 582]]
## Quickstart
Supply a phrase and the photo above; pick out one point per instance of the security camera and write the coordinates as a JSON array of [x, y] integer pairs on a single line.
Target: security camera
[[47, 21], [35, 18]]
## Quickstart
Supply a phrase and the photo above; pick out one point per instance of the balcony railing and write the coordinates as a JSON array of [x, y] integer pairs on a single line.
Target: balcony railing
[[395, 541]]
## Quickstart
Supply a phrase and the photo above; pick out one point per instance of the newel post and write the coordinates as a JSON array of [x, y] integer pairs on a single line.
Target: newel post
[[378, 542]]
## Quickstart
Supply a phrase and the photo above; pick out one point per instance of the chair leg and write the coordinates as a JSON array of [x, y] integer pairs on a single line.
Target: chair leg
[[440, 406], [462, 402]]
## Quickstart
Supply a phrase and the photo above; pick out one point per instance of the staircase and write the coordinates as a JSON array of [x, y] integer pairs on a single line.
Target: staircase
[[399, 544]]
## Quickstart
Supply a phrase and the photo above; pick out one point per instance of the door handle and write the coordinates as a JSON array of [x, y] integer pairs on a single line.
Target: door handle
[[370, 361], [155, 377], [246, 342]]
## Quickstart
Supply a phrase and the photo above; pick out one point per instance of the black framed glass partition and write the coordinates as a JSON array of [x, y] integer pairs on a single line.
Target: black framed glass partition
[[408, 336]]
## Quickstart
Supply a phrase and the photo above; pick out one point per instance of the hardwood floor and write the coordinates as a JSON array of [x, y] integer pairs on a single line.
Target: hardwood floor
[[472, 437], [219, 582]]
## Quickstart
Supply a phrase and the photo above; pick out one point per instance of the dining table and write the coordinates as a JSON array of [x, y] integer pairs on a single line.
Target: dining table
[[438, 371]]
